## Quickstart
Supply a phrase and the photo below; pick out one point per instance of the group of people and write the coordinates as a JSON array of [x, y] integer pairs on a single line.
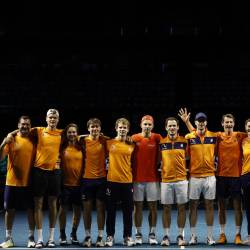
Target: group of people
[[64, 166]]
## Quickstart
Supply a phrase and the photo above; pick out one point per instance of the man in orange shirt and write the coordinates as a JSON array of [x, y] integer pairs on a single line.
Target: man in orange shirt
[[20, 150], [94, 180], [229, 155], [120, 183], [201, 149], [146, 177], [174, 185], [47, 174]]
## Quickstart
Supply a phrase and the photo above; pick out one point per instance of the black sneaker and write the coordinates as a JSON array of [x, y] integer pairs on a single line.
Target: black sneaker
[[74, 240], [63, 240]]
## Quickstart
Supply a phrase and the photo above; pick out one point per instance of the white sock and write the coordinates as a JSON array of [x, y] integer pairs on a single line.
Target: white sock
[[8, 233], [51, 233], [152, 230], [31, 233], [193, 231], [181, 231], [138, 230], [238, 229], [100, 233], [222, 228], [166, 231], [209, 231], [39, 235], [87, 232]]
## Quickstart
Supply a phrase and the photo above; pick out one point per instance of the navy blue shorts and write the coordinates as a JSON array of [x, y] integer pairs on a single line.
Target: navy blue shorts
[[71, 196], [18, 198], [228, 187], [92, 189], [45, 182]]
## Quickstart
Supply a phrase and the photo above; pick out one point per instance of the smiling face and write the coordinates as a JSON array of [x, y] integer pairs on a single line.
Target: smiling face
[[172, 128], [72, 134], [122, 129], [228, 124], [24, 126], [94, 129], [147, 126], [52, 120]]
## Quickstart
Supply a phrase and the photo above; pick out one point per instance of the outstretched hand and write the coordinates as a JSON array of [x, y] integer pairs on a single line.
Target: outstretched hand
[[184, 114]]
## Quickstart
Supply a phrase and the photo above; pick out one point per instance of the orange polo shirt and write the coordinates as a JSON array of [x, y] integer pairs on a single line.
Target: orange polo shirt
[[72, 166], [246, 156], [230, 154], [120, 169], [47, 152], [202, 152], [20, 160], [173, 154], [95, 158]]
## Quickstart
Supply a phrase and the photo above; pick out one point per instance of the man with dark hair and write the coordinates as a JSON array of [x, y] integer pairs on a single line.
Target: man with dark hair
[[20, 151]]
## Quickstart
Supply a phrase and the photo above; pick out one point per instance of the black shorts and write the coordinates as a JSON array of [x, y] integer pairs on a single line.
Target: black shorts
[[18, 198], [71, 196], [228, 187], [45, 182], [92, 189]]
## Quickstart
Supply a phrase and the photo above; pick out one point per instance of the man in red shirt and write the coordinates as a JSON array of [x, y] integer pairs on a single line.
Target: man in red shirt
[[146, 177]]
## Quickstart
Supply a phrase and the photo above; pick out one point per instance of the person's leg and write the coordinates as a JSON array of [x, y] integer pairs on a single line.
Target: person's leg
[[193, 216], [62, 216], [166, 218], [87, 216], [100, 208], [38, 214], [222, 220], [52, 204], [237, 205]]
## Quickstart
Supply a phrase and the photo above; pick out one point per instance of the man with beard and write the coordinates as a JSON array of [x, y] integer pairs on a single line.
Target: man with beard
[[17, 194]]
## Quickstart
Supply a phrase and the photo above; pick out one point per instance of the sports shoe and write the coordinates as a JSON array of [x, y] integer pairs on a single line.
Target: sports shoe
[[39, 244], [74, 240], [63, 240], [109, 241], [222, 239], [128, 241], [210, 241], [152, 239], [99, 242], [237, 239], [51, 244], [193, 240], [138, 239], [7, 243], [31, 242], [180, 241], [165, 241], [87, 242], [247, 241]]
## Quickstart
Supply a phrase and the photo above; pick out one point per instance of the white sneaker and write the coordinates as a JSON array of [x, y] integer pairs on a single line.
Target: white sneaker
[[99, 242], [109, 241], [31, 242], [152, 239], [180, 241], [129, 242], [193, 240], [165, 241], [87, 242], [210, 241], [7, 243], [247, 241], [138, 239]]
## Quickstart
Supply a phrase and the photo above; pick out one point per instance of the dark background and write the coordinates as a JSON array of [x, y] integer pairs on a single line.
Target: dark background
[[110, 60]]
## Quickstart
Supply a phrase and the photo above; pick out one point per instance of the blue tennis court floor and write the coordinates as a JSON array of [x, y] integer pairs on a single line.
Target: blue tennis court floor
[[20, 231]]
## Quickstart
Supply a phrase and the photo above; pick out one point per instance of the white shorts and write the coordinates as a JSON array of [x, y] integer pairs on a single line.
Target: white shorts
[[174, 192], [205, 185], [150, 190]]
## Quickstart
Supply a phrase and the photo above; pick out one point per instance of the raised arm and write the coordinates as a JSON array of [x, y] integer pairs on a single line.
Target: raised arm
[[185, 117]]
